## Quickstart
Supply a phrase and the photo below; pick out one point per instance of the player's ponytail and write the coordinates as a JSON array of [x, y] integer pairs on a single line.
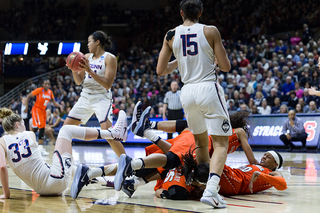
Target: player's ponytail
[[103, 38], [9, 119], [191, 9], [192, 171], [241, 120]]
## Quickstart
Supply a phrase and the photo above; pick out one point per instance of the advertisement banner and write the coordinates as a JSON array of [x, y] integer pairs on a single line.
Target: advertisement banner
[[265, 130]]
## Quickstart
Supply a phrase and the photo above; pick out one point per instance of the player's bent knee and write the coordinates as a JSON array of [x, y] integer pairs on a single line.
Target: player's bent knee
[[66, 132]]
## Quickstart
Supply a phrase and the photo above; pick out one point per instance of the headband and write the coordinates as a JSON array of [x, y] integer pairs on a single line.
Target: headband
[[276, 157]]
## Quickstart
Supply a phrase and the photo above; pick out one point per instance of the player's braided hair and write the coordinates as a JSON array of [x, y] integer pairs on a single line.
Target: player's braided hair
[[193, 171], [241, 120]]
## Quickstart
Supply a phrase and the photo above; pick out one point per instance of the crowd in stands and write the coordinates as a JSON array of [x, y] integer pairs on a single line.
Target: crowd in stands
[[270, 72]]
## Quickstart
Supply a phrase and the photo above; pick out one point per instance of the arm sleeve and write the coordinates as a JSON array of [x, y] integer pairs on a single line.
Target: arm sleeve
[[36, 91], [277, 181]]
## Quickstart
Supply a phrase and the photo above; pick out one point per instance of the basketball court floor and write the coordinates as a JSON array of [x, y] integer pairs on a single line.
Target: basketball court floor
[[301, 171]]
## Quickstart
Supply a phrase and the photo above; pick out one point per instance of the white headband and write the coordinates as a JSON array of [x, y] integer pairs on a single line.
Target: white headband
[[275, 156]]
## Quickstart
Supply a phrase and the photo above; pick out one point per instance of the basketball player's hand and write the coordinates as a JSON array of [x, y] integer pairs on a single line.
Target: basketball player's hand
[[312, 90], [288, 136], [254, 177], [85, 64]]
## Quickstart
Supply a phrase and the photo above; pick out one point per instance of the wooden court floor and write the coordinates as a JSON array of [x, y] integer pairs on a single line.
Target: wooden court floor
[[302, 195]]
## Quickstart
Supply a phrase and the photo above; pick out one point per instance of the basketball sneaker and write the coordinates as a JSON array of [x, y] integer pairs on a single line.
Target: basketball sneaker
[[143, 123], [120, 131], [128, 187], [80, 179], [124, 170], [213, 199], [135, 116]]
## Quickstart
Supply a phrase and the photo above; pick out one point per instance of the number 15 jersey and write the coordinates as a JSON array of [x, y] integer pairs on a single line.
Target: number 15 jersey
[[194, 54]]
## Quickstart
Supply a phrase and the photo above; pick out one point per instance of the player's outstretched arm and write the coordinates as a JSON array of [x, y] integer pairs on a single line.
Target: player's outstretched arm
[[273, 178], [4, 172]]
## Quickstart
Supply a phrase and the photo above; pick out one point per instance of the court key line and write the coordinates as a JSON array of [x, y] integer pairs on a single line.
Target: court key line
[[258, 201]]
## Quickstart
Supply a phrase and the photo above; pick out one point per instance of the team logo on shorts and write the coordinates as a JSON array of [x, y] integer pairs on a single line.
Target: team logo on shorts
[[68, 162], [225, 126]]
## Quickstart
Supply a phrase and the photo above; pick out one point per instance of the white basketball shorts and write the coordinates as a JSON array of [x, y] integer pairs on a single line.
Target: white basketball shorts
[[58, 176], [206, 109], [88, 104]]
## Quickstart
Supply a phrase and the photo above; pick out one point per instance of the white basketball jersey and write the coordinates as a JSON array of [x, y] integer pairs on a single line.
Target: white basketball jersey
[[194, 54], [98, 66], [25, 159]]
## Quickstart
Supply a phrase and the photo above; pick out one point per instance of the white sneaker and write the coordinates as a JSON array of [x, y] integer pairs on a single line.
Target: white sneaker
[[120, 131], [213, 199], [43, 150]]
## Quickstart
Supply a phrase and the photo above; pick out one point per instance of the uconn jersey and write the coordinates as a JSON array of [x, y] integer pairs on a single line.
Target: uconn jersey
[[194, 54], [98, 66], [25, 159]]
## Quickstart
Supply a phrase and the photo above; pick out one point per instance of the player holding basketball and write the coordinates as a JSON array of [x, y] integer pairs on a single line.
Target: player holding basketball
[[99, 71], [20, 150], [43, 96], [197, 47]]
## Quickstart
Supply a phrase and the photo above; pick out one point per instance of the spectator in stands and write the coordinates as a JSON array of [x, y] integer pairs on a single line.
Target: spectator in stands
[[293, 100], [53, 126], [222, 83], [305, 78], [281, 48], [235, 76], [286, 88], [298, 109], [259, 89], [264, 109], [296, 39], [306, 97], [313, 107], [283, 109], [270, 99], [315, 80], [258, 98], [253, 82], [230, 91], [243, 61], [295, 57], [244, 71], [298, 90], [231, 105], [19, 109], [306, 34], [276, 108], [268, 85], [254, 110]]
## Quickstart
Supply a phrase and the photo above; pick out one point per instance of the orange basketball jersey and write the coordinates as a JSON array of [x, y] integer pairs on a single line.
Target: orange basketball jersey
[[236, 181], [43, 97]]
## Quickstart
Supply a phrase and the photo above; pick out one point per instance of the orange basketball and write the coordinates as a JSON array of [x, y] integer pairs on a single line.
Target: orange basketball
[[73, 61]]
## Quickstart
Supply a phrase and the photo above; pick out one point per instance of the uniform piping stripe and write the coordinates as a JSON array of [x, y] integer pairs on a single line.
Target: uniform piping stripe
[[107, 114], [220, 99], [61, 165]]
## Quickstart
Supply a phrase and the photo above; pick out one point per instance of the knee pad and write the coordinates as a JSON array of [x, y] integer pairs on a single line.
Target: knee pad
[[172, 161], [144, 172], [70, 131], [41, 134]]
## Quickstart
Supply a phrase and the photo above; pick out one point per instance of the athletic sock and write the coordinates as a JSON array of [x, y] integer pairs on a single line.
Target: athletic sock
[[95, 172], [213, 182], [152, 136], [138, 181], [153, 124], [137, 164], [106, 134]]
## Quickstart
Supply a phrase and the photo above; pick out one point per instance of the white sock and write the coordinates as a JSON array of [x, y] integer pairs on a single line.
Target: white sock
[[151, 135], [106, 134], [138, 181], [136, 164], [213, 183], [94, 172]]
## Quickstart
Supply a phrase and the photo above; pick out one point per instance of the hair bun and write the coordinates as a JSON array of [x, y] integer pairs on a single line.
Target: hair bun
[[5, 112]]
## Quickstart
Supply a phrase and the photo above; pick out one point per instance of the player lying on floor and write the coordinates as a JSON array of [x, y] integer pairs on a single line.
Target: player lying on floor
[[192, 171], [20, 150], [176, 147]]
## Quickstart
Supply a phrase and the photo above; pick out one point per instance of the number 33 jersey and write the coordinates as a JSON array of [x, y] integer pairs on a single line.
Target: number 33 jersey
[[25, 158], [194, 54]]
